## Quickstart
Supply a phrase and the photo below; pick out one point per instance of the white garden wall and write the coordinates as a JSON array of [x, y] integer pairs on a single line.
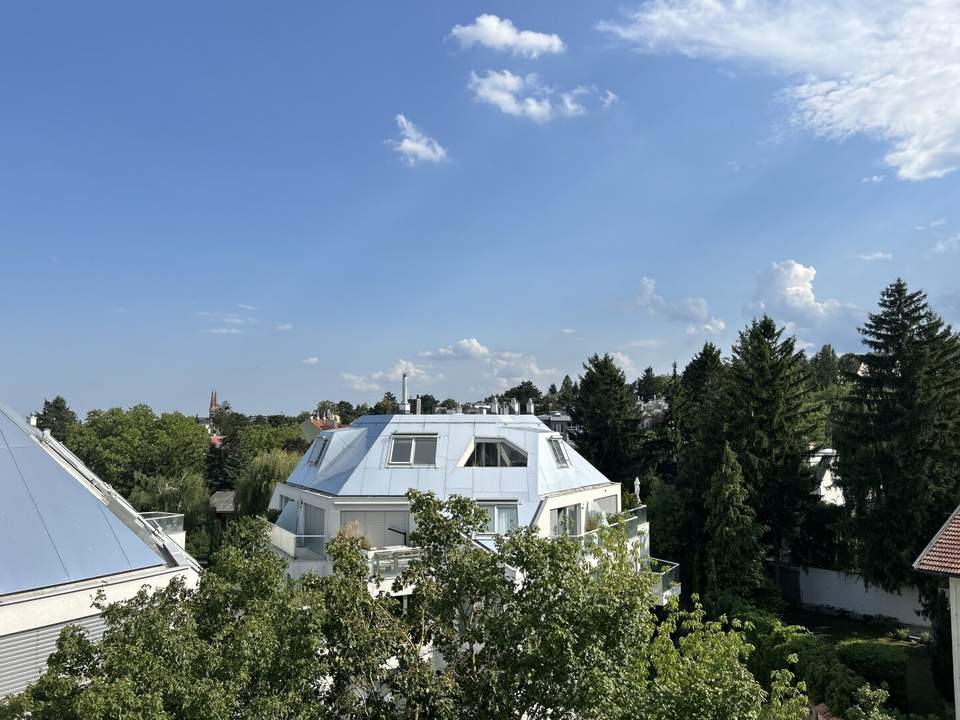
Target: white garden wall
[[829, 588]]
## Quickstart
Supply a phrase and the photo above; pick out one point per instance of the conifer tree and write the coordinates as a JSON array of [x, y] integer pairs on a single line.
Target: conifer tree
[[734, 556], [774, 422], [702, 369], [899, 439]]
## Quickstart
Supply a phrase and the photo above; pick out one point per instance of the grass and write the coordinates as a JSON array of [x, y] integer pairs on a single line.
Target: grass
[[922, 695]]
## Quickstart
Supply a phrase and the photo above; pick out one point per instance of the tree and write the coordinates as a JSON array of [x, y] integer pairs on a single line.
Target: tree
[[899, 438], [775, 422], [58, 418], [450, 404], [825, 368], [347, 412], [605, 414], [387, 406], [428, 404], [254, 487], [184, 493], [567, 395], [523, 392], [703, 368], [734, 555], [651, 385]]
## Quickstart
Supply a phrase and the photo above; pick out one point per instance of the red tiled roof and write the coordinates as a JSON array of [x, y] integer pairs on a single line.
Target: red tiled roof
[[942, 555]]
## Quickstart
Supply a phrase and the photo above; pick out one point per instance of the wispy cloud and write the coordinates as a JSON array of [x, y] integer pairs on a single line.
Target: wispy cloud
[[884, 69], [872, 179], [491, 31], [527, 97], [694, 311], [283, 327], [645, 343], [568, 331], [224, 331], [950, 245], [877, 255], [504, 367], [415, 146], [312, 360], [248, 308]]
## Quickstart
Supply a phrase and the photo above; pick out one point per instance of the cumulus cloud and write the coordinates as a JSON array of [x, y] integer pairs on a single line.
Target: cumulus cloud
[[415, 146], [785, 291], [877, 255], [527, 97], [504, 367], [377, 381], [694, 311], [888, 70], [497, 33], [626, 364]]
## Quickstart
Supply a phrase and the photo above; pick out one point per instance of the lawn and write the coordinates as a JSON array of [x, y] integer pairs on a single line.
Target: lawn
[[922, 695]]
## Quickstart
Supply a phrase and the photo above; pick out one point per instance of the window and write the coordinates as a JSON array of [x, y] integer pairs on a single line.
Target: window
[[319, 448], [501, 518], [413, 450], [565, 520], [559, 454], [496, 453]]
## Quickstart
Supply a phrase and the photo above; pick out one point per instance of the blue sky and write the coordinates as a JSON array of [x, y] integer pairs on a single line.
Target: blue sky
[[222, 195]]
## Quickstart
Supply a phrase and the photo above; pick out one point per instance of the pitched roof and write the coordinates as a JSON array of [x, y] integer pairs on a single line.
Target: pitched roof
[[58, 522], [942, 554], [222, 501]]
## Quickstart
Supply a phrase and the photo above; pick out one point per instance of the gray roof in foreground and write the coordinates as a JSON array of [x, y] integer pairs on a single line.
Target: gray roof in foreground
[[54, 527]]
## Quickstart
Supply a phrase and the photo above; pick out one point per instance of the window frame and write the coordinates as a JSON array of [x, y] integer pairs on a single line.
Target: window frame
[[560, 456], [496, 508], [316, 458], [499, 442], [409, 463]]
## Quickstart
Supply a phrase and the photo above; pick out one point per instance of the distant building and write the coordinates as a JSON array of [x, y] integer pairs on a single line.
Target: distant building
[[65, 535], [824, 462], [558, 422], [223, 503], [653, 411], [317, 423]]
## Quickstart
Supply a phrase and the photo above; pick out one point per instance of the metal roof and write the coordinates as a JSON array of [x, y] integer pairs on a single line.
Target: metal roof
[[58, 522], [354, 463]]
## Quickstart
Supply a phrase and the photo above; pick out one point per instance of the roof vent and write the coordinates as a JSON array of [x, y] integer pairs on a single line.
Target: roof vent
[[419, 406], [530, 407], [495, 406], [514, 406]]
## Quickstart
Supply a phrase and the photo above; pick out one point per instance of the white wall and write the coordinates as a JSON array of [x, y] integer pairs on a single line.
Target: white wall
[[819, 587]]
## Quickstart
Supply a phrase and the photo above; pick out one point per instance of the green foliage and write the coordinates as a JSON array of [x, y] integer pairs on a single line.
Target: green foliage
[[882, 664], [255, 485], [524, 391], [941, 644], [186, 493], [256, 439], [899, 459], [57, 417], [651, 385], [387, 406], [605, 413]]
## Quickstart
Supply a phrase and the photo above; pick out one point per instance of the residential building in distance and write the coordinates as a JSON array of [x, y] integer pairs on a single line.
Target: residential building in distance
[[355, 479], [65, 535]]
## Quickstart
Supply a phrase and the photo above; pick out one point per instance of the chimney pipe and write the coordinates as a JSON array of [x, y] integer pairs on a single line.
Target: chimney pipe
[[419, 406], [404, 405], [530, 407], [494, 406], [514, 406]]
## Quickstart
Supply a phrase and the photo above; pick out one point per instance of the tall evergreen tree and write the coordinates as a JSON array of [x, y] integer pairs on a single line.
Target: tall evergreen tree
[[702, 369], [605, 413], [58, 418], [899, 442], [649, 385], [774, 421], [568, 394], [825, 368], [734, 555]]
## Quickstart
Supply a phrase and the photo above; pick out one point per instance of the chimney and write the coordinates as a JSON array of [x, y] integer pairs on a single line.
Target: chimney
[[495, 406], [33, 420], [514, 406], [530, 407], [419, 406], [404, 405]]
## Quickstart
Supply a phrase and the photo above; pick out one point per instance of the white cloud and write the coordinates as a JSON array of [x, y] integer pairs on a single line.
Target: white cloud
[[623, 362], [939, 222], [525, 96], [888, 70], [505, 367], [312, 360], [646, 343], [233, 321], [877, 255], [951, 244], [493, 32], [609, 98], [466, 348], [785, 291], [568, 331], [224, 331], [359, 382], [378, 380], [692, 310], [246, 307], [872, 179], [283, 327], [414, 145]]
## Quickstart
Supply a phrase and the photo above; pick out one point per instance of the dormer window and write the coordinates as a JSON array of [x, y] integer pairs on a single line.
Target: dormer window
[[496, 453], [413, 451], [559, 452], [318, 450]]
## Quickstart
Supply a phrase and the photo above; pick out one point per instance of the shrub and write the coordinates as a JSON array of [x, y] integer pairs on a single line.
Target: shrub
[[881, 664]]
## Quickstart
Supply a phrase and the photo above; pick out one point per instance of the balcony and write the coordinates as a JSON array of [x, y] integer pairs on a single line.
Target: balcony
[[390, 561], [299, 547], [170, 524], [633, 523], [666, 580]]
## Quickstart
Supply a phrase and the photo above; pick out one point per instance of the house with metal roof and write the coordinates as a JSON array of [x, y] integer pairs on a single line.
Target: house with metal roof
[[65, 535], [355, 479], [941, 557]]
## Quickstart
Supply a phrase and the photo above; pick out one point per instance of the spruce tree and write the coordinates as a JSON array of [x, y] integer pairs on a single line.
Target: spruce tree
[[734, 555], [899, 439], [607, 421], [702, 369], [775, 419]]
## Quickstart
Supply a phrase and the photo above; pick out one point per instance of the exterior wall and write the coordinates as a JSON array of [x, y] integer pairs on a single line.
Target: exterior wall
[[30, 622], [583, 497], [955, 635], [822, 588]]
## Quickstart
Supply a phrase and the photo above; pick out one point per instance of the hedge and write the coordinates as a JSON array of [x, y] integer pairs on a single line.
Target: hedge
[[880, 663]]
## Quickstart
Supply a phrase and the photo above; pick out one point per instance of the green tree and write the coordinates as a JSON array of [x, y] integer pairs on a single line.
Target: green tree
[[608, 426], [428, 404], [58, 418], [703, 369], [825, 368], [567, 395], [523, 392], [185, 493], [775, 421], [734, 555], [387, 406], [347, 412], [651, 385], [254, 487], [898, 446], [449, 404]]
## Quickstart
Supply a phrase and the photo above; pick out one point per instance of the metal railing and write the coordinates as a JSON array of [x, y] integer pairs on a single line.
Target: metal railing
[[390, 562], [666, 577], [169, 523], [632, 523], [299, 547]]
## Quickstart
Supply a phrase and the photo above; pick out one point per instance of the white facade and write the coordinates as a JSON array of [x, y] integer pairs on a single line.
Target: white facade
[[355, 480]]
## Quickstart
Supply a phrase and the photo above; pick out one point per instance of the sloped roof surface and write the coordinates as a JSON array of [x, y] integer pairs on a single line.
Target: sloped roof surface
[[354, 463], [942, 554], [53, 528]]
